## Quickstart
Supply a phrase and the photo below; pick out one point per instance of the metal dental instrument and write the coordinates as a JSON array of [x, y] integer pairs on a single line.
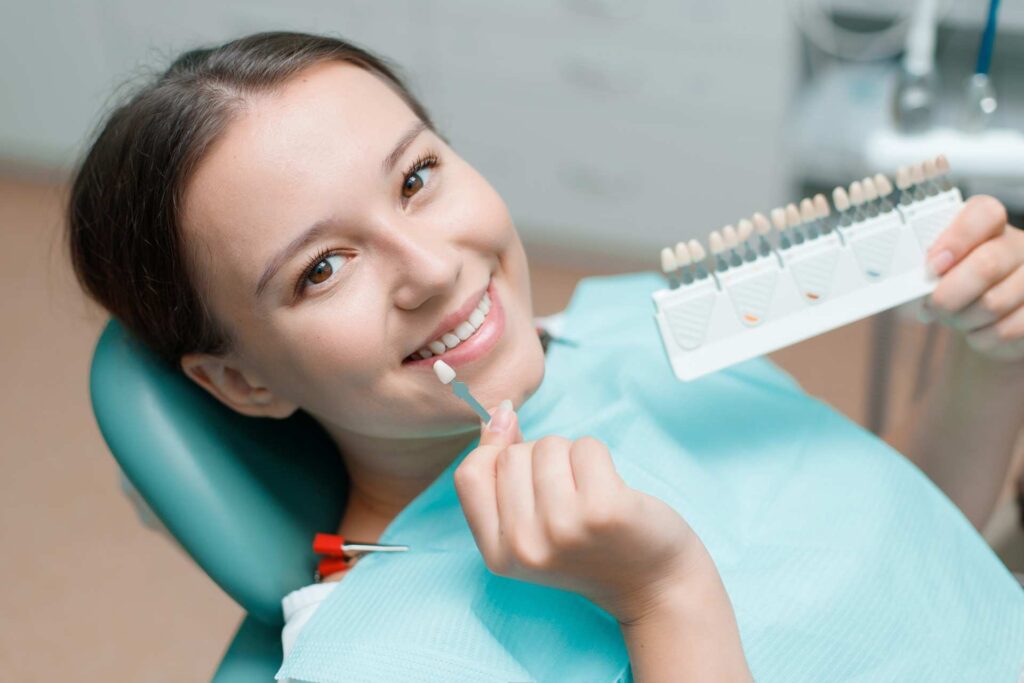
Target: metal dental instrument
[[446, 374]]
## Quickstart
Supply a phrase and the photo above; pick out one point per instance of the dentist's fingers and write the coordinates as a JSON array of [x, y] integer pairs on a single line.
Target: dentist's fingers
[[983, 268], [995, 304], [981, 219]]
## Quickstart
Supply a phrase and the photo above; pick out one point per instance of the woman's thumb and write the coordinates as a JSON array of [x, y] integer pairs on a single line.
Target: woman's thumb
[[503, 429]]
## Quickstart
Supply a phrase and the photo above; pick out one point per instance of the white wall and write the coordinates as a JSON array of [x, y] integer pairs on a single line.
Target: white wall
[[617, 125]]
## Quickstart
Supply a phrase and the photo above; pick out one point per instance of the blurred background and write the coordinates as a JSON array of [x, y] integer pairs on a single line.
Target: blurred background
[[611, 127]]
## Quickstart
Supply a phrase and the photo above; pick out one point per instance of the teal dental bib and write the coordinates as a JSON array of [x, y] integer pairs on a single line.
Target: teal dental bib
[[841, 559]]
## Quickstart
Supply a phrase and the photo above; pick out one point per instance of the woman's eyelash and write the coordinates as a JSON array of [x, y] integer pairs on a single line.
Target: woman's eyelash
[[425, 160]]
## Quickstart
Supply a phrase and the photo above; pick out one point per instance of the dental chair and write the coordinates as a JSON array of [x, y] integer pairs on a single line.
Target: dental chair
[[242, 496]]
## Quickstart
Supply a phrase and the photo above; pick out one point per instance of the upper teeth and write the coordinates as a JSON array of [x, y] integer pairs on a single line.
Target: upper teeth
[[462, 331]]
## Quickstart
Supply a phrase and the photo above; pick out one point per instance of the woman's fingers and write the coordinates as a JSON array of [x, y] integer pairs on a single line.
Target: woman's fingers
[[996, 303], [475, 484], [515, 490], [981, 219], [597, 480], [554, 486], [985, 267]]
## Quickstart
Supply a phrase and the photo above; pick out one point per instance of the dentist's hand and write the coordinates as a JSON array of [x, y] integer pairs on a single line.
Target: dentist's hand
[[556, 512], [980, 261]]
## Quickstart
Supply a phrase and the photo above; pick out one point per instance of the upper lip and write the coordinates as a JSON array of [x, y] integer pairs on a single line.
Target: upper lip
[[449, 322]]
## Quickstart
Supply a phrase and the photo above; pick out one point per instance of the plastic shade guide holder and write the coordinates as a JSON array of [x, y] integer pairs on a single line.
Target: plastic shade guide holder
[[813, 272]]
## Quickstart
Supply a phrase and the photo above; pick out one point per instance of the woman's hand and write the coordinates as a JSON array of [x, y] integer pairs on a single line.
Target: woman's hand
[[555, 512], [980, 259]]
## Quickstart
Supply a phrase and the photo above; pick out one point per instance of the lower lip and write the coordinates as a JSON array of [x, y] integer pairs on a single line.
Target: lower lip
[[479, 344]]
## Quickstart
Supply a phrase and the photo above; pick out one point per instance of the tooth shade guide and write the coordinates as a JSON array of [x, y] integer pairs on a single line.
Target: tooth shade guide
[[917, 174], [668, 261], [761, 224], [792, 216], [883, 185], [729, 236], [697, 252], [744, 229], [941, 164], [870, 191], [902, 178], [682, 254], [445, 373], [856, 193], [807, 211], [779, 218], [840, 199]]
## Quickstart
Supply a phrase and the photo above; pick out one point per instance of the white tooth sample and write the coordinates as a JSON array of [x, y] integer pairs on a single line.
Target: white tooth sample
[[444, 372], [668, 261], [903, 177], [821, 206], [730, 237], [464, 331], [840, 199], [425, 353], [715, 242], [682, 254], [930, 171], [856, 193], [942, 164], [744, 229], [792, 215], [917, 174], [883, 185], [870, 191], [779, 218], [437, 347], [761, 223], [476, 318], [450, 340], [697, 253], [807, 212]]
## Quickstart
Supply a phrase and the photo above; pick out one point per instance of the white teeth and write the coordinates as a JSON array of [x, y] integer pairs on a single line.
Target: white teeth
[[715, 242], [697, 253], [917, 174], [450, 340], [668, 260], [870, 191], [730, 237], [807, 212], [438, 347], [821, 206], [792, 215], [425, 353], [883, 185], [464, 331], [856, 193], [744, 229], [761, 223], [682, 254], [903, 177], [930, 171], [779, 218], [476, 318], [840, 199]]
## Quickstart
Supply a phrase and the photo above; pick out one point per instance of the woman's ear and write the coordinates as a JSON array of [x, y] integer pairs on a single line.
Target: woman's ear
[[233, 388]]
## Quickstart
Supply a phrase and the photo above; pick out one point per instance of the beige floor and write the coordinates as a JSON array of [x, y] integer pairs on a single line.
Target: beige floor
[[86, 592]]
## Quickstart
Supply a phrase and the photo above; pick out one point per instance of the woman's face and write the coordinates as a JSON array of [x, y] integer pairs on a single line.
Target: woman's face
[[327, 320]]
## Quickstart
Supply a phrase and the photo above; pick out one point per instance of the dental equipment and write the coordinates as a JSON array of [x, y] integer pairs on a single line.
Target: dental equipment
[[340, 553], [981, 103], [446, 374], [821, 271]]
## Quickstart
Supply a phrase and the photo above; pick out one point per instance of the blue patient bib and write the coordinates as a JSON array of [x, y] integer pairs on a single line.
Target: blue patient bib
[[842, 560]]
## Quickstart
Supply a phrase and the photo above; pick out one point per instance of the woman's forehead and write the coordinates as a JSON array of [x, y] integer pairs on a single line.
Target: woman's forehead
[[292, 156]]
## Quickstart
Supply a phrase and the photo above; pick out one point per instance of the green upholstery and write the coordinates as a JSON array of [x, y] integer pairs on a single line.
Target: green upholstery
[[242, 495]]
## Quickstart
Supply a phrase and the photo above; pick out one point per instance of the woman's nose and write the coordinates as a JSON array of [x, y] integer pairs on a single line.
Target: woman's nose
[[425, 267]]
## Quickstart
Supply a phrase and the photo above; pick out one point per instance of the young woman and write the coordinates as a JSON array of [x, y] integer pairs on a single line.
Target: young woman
[[279, 217]]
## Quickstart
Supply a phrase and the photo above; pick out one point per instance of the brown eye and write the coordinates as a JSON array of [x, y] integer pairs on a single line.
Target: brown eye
[[412, 185], [322, 271]]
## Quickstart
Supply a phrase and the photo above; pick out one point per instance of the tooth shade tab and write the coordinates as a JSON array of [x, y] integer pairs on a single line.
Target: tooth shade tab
[[856, 193], [870, 191], [840, 199], [730, 237], [761, 224], [903, 177], [792, 215], [779, 218], [715, 242], [883, 185], [941, 164], [917, 174], [444, 372], [744, 229], [668, 261], [929, 169], [697, 252], [807, 212], [682, 254], [821, 206]]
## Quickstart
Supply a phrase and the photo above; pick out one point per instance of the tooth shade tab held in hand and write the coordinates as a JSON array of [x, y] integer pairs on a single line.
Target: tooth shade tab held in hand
[[444, 372]]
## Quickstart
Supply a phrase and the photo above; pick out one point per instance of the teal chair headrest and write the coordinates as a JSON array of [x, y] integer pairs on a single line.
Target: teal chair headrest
[[242, 495]]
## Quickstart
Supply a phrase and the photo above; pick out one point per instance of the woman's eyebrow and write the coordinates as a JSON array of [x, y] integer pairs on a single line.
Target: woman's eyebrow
[[313, 232]]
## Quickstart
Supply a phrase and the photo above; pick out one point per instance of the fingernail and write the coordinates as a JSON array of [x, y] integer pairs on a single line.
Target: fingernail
[[938, 263], [501, 418]]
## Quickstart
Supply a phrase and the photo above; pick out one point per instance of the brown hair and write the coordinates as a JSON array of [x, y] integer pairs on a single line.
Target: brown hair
[[123, 213]]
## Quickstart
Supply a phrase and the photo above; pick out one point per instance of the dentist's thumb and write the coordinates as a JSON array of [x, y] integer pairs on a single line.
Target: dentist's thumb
[[503, 428]]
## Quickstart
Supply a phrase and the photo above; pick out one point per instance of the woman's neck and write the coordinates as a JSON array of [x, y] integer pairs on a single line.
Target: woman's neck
[[386, 475]]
